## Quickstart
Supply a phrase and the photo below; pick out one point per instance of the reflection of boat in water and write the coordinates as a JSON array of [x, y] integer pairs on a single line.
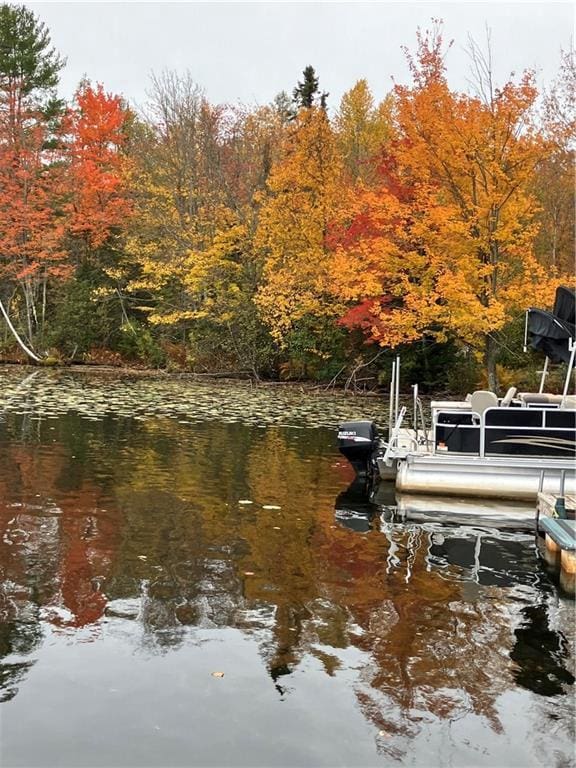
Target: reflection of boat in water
[[483, 446], [355, 507], [361, 504], [490, 544], [497, 512]]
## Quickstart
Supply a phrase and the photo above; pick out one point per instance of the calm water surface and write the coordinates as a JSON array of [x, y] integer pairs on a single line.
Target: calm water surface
[[154, 533]]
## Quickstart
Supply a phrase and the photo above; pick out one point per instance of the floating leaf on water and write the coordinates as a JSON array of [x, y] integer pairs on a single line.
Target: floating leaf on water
[[123, 609], [217, 674], [276, 527]]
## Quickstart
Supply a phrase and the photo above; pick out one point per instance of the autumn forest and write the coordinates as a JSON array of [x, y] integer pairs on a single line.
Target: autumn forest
[[299, 239]]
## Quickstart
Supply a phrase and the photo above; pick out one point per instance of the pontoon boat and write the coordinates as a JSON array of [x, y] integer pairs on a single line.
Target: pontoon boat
[[482, 446]]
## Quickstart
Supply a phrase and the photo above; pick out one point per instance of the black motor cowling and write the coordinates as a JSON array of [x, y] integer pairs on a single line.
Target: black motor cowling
[[358, 440]]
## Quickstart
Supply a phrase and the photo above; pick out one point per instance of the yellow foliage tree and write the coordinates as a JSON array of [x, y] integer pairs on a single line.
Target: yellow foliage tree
[[185, 263], [361, 128], [188, 233], [305, 196]]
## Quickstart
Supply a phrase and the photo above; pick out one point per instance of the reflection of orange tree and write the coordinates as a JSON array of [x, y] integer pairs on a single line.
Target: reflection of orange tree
[[430, 646], [75, 548], [28, 558], [28, 549], [53, 545], [88, 540]]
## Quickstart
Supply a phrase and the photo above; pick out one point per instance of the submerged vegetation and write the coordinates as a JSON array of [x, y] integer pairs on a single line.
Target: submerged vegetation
[[293, 240]]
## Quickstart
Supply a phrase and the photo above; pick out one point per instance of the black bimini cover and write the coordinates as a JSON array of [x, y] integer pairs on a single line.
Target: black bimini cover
[[551, 332]]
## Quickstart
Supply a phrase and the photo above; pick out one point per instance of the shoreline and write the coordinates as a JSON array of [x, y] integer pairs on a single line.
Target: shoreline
[[208, 377]]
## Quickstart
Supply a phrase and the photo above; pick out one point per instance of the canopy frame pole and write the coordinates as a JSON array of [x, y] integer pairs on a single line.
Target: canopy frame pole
[[392, 393], [397, 396], [544, 374], [572, 348]]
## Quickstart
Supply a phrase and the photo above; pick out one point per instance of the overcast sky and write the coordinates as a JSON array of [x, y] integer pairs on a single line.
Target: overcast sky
[[249, 52]]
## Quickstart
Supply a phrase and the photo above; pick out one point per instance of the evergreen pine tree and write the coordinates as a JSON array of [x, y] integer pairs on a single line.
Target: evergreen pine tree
[[307, 93], [26, 57]]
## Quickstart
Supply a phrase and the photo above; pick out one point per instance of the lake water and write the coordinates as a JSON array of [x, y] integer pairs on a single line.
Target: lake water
[[183, 585]]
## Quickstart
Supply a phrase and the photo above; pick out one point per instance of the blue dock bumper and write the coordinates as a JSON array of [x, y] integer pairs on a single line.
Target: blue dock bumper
[[562, 532]]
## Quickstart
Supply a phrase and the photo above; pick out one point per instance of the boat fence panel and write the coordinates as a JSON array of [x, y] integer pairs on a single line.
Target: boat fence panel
[[534, 432], [457, 432]]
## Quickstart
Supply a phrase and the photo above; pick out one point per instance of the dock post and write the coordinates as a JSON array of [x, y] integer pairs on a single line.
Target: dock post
[[568, 561]]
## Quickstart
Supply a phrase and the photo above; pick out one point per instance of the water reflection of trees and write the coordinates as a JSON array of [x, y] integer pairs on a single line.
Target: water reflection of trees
[[120, 513], [540, 654]]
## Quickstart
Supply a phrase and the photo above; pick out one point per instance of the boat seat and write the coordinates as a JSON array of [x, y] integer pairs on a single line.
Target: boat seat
[[483, 399], [450, 405], [508, 397], [537, 398]]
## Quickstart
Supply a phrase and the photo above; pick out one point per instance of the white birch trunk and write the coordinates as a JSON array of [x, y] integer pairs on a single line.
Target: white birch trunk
[[14, 332]]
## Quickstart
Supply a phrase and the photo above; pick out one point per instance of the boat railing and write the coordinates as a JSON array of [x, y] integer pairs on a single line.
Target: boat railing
[[452, 421], [572, 348], [392, 445], [503, 431], [423, 436]]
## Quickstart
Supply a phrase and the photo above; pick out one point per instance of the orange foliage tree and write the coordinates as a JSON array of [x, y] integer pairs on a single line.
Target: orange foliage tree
[[32, 224], [444, 245], [98, 167], [31, 218]]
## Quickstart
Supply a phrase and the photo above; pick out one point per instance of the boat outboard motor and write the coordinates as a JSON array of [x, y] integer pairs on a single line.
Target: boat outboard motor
[[358, 440]]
